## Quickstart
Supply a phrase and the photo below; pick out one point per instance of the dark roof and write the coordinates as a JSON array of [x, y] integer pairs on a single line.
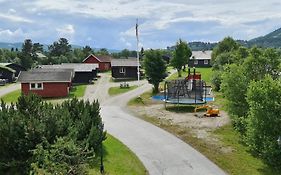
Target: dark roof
[[77, 67], [11, 64], [53, 70], [132, 62], [32, 76], [104, 58], [100, 58], [4, 66]]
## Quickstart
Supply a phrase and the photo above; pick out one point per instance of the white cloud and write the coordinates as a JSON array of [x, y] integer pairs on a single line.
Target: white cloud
[[15, 18], [195, 20], [11, 10], [8, 35], [128, 44], [66, 30]]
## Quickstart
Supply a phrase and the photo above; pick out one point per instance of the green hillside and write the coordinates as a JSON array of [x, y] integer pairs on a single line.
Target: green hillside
[[272, 39]]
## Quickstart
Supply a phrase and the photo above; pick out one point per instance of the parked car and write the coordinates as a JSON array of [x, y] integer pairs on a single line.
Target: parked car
[[3, 82]]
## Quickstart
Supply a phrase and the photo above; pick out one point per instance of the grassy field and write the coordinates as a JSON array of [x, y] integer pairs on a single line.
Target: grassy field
[[119, 160], [117, 90], [206, 74], [239, 160], [76, 91], [230, 154]]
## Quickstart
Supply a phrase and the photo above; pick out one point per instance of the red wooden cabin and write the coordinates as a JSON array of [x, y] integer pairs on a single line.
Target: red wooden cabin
[[46, 84], [104, 61]]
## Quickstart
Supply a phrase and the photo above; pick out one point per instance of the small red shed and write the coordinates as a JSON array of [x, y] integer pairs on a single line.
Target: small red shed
[[104, 61], [46, 84]]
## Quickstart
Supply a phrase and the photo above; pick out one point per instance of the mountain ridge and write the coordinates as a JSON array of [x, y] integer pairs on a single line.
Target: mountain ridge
[[271, 40], [18, 45]]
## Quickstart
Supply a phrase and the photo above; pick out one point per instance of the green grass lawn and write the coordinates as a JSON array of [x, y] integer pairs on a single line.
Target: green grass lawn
[[11, 97], [7, 85], [143, 99], [76, 91], [117, 90], [119, 160], [206, 74], [239, 160]]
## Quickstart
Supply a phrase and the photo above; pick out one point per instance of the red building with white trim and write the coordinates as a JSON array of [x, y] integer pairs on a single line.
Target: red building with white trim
[[104, 61], [46, 84]]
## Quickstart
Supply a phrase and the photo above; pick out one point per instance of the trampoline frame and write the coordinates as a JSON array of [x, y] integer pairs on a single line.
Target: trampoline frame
[[176, 99]]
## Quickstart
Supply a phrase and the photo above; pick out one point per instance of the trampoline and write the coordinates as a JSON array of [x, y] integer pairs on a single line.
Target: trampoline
[[188, 91]]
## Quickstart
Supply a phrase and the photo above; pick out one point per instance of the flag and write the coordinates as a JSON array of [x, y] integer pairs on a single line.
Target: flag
[[137, 33]]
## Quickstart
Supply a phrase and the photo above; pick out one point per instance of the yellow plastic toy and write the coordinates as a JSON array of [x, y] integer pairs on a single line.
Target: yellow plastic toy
[[210, 111]]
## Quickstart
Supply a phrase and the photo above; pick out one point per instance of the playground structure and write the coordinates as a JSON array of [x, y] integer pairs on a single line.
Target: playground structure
[[210, 111], [190, 90]]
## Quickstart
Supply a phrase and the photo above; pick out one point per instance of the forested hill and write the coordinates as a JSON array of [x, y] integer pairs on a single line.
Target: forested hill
[[272, 39], [18, 45]]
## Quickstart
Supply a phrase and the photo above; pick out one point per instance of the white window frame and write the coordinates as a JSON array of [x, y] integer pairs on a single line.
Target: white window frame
[[122, 70], [206, 62], [36, 86], [195, 62]]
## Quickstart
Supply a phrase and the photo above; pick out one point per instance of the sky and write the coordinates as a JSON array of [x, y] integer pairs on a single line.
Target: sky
[[111, 23]]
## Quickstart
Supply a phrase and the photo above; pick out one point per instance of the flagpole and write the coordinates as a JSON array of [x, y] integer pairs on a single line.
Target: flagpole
[[138, 55]]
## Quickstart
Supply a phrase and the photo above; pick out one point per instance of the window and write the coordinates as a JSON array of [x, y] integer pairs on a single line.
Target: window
[[206, 62], [195, 62], [122, 70], [35, 86], [32, 86]]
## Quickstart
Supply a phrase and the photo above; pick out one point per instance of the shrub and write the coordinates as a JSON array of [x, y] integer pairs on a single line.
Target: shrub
[[264, 124], [216, 80], [36, 125]]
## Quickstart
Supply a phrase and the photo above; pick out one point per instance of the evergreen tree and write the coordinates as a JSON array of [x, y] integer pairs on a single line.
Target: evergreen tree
[[60, 48], [26, 54]]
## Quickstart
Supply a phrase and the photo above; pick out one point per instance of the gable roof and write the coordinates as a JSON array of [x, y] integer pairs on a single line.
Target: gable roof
[[4, 66], [104, 58], [11, 64], [100, 58], [77, 67], [31, 76], [132, 62], [53, 70], [201, 55]]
